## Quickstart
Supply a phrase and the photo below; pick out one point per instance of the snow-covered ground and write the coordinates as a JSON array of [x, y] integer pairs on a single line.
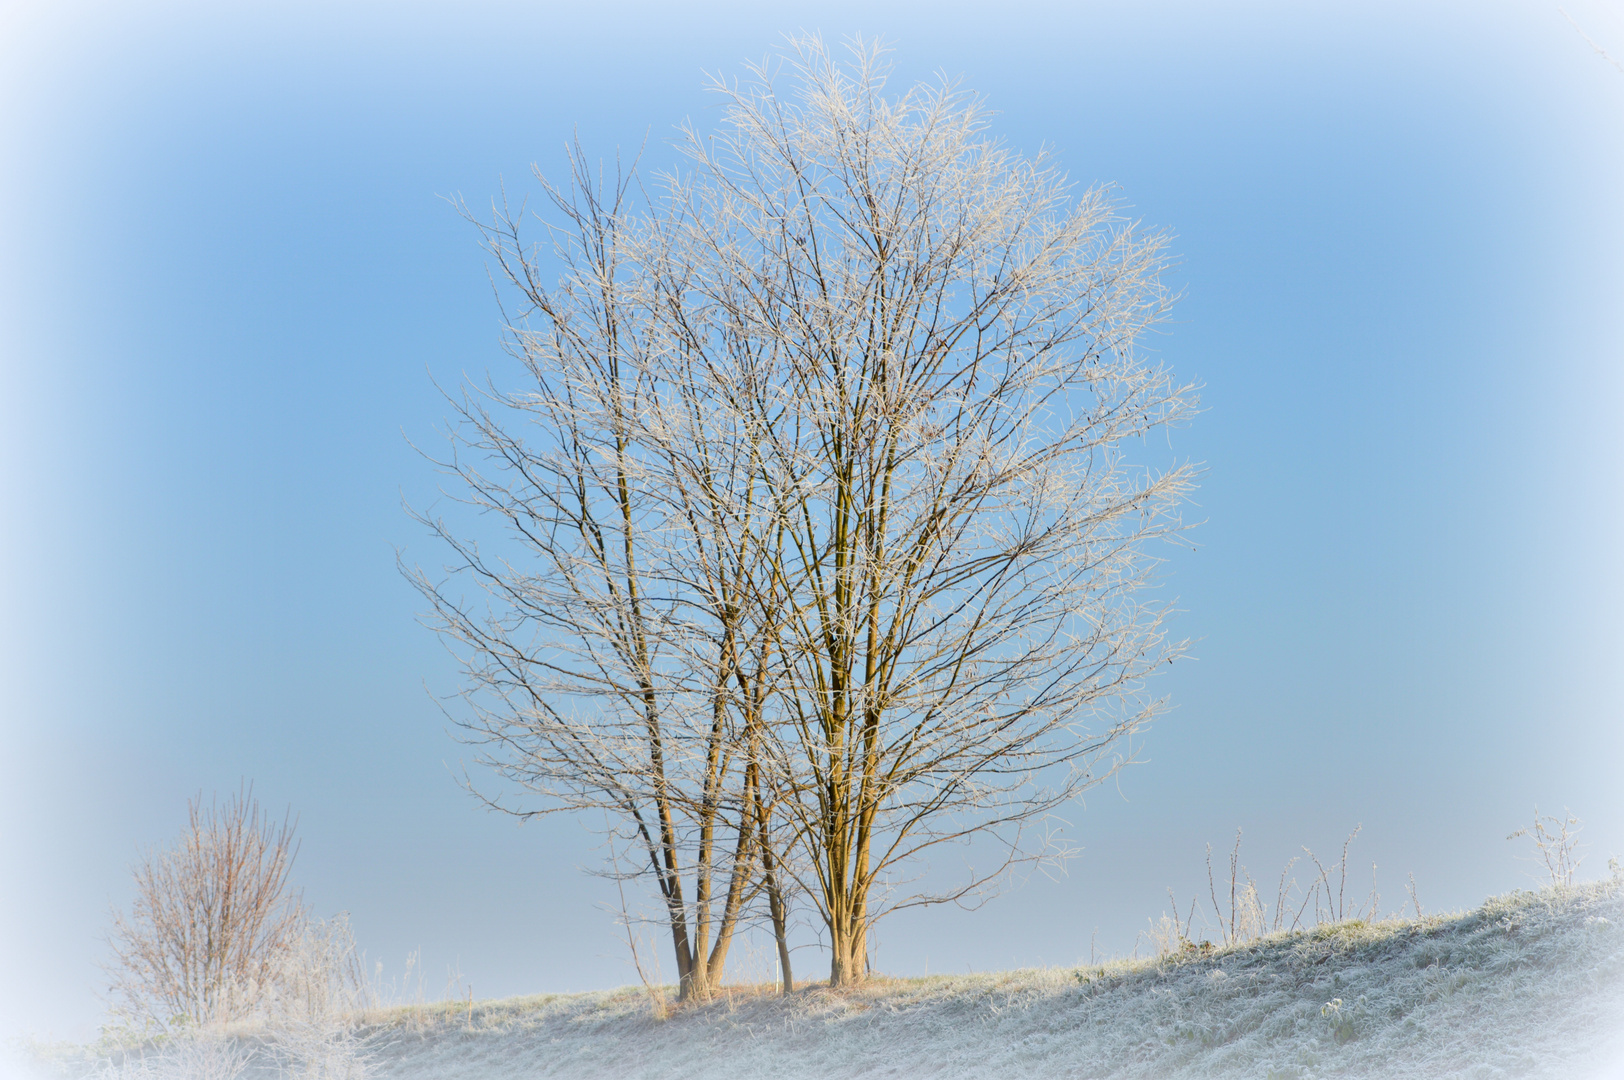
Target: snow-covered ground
[[1528, 985]]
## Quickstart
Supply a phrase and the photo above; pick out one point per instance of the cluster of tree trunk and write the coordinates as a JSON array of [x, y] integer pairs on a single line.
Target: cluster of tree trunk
[[822, 543]]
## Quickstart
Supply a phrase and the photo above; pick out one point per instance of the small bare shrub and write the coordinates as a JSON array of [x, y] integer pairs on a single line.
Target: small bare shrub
[[212, 922], [321, 989], [321, 979], [216, 937]]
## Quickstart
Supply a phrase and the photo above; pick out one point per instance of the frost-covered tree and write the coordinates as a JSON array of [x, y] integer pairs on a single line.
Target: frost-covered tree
[[829, 550], [617, 662]]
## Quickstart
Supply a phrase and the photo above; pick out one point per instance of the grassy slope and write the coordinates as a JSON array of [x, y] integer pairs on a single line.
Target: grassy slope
[[1530, 984]]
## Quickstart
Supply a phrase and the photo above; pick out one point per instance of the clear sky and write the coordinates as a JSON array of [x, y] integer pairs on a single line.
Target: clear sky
[[228, 277]]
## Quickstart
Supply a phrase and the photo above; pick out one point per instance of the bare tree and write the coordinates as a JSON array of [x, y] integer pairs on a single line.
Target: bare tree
[[831, 544], [935, 339], [616, 667], [213, 919]]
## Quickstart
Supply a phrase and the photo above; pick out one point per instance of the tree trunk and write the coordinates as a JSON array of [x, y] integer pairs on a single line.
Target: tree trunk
[[775, 898], [848, 962]]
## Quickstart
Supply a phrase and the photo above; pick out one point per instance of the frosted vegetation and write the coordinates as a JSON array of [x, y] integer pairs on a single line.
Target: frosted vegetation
[[1530, 984], [831, 551]]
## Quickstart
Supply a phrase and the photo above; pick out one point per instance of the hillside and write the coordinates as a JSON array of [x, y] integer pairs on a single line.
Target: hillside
[[1527, 985], [1530, 984]]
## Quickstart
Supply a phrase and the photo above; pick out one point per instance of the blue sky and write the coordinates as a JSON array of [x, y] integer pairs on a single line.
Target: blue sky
[[229, 279]]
